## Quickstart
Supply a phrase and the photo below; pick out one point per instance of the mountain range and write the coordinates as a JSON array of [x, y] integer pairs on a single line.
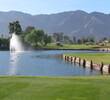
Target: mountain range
[[72, 23]]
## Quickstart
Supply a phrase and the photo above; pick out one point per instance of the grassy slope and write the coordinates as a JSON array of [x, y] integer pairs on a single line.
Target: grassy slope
[[70, 46], [55, 88], [95, 57]]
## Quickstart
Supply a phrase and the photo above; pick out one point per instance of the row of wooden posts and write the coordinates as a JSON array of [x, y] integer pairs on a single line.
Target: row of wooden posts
[[104, 49], [89, 64]]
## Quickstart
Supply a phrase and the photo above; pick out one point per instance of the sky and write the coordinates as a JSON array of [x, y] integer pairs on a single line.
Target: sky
[[35, 7]]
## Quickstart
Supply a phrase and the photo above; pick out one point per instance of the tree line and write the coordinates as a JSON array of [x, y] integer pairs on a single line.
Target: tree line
[[60, 37], [4, 43], [36, 37], [30, 35]]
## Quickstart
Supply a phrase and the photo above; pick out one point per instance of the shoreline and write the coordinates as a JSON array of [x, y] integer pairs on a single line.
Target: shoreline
[[88, 64], [90, 49]]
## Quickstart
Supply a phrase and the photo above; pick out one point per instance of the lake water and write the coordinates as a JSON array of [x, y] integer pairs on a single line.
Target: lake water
[[40, 63]]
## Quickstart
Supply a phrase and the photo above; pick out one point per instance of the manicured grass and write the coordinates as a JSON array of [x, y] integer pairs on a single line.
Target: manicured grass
[[70, 46], [95, 57], [55, 88]]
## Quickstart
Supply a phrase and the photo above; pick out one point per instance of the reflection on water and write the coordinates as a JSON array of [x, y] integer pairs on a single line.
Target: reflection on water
[[13, 60], [41, 63]]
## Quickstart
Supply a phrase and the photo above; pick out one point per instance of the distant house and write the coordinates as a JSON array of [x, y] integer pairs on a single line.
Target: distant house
[[106, 41]]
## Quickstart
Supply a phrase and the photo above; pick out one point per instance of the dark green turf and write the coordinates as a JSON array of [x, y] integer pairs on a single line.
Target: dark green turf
[[55, 88]]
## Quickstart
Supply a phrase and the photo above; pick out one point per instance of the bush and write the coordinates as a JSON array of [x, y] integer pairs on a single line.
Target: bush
[[59, 44]]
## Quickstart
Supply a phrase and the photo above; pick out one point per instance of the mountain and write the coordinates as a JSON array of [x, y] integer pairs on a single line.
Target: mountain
[[73, 23]]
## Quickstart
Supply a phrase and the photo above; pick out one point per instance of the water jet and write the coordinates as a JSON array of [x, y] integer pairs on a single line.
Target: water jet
[[16, 43]]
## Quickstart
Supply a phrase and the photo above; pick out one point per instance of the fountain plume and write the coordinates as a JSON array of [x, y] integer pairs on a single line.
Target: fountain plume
[[15, 43]]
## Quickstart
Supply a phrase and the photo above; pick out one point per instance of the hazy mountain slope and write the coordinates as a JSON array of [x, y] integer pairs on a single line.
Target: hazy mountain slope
[[73, 23]]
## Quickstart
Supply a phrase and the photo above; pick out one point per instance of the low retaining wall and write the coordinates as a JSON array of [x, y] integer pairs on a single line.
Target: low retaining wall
[[104, 49], [89, 64]]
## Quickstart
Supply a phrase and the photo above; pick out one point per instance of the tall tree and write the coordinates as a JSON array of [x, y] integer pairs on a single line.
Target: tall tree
[[29, 29], [40, 34], [74, 39], [46, 39], [34, 37], [90, 39], [79, 41], [58, 36], [83, 40], [15, 27], [31, 37], [66, 39]]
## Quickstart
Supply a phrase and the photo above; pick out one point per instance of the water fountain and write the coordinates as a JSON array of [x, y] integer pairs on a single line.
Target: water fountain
[[16, 46], [15, 43]]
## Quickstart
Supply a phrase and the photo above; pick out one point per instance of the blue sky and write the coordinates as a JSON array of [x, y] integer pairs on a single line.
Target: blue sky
[[54, 6]]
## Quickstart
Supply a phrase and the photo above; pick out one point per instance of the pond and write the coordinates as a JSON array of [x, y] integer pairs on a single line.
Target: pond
[[41, 63]]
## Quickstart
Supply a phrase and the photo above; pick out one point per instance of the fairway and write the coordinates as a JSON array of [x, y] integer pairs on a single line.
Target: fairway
[[95, 57], [55, 88], [71, 46]]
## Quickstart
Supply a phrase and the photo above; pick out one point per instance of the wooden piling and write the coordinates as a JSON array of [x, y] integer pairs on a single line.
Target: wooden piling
[[109, 68], [79, 61], [101, 66], [89, 64], [74, 60]]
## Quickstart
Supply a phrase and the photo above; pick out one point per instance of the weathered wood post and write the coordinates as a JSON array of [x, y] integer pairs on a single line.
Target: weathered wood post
[[84, 63], [109, 68], [67, 58], [101, 66], [79, 61], [74, 60], [71, 59], [91, 64]]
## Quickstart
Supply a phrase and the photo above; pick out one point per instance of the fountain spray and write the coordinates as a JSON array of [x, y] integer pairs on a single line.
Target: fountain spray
[[15, 43]]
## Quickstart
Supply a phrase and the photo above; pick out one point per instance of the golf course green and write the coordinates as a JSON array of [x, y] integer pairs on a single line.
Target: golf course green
[[95, 57], [55, 88]]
